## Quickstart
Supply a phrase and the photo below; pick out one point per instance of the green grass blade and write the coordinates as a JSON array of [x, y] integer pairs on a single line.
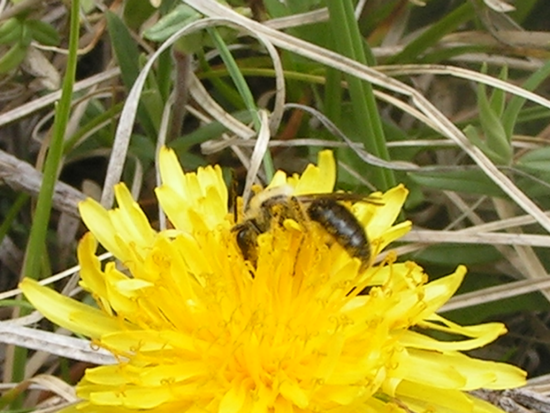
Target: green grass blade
[[125, 49], [514, 107], [244, 91], [333, 95], [127, 55], [19, 202], [366, 116], [37, 238], [433, 34], [102, 118]]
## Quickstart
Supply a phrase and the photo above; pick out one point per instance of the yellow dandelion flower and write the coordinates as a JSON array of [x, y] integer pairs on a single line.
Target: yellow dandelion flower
[[306, 327]]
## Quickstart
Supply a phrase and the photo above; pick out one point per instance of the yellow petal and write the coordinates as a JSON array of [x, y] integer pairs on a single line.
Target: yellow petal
[[318, 179], [134, 398], [129, 220], [382, 240], [171, 172], [119, 375], [233, 400], [384, 216], [69, 313], [425, 395], [454, 370], [125, 342], [96, 217], [438, 292], [120, 228], [416, 340], [203, 193], [173, 205], [482, 334], [93, 279], [279, 179]]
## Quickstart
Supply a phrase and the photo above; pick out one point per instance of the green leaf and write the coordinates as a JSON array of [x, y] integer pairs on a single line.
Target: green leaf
[[515, 105], [43, 32], [472, 181], [476, 281], [11, 31], [11, 59], [495, 134], [524, 9], [128, 57], [125, 49], [473, 135], [178, 18], [456, 254], [143, 147], [537, 160], [244, 91], [496, 309], [26, 37], [498, 96], [207, 132], [136, 12], [277, 8]]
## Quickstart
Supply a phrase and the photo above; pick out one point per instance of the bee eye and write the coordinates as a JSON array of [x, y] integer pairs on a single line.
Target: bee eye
[[244, 234], [247, 239]]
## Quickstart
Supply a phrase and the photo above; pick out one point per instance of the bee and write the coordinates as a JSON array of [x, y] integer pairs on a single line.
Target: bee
[[327, 210]]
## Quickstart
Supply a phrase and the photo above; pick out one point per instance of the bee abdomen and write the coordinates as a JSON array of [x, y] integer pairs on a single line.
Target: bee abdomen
[[340, 222]]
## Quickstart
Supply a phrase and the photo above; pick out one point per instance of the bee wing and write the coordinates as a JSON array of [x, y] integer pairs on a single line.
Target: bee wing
[[341, 196]]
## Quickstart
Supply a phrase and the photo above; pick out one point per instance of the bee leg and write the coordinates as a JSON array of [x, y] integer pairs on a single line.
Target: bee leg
[[296, 211], [234, 198], [247, 240]]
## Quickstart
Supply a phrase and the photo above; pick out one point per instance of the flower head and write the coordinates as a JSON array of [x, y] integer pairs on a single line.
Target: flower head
[[304, 327]]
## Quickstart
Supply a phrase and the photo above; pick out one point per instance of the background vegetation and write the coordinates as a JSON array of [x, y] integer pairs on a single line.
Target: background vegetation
[[448, 97]]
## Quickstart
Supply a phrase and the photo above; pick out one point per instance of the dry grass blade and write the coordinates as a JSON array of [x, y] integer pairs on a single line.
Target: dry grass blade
[[459, 72], [210, 106], [488, 238], [298, 20], [516, 400], [21, 176], [257, 156], [502, 61], [56, 386], [499, 292], [52, 343], [47, 100], [358, 149]]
